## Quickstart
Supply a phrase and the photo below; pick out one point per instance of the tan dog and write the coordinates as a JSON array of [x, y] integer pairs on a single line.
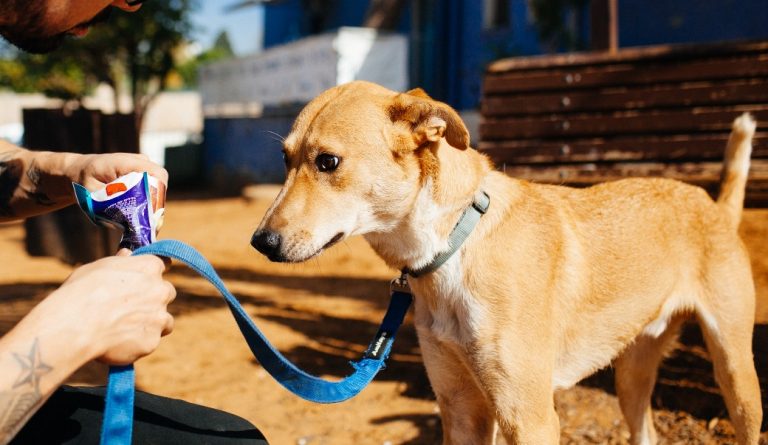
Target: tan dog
[[553, 284]]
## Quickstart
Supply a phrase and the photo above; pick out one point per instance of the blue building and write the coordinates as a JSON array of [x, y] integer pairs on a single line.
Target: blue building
[[451, 41]]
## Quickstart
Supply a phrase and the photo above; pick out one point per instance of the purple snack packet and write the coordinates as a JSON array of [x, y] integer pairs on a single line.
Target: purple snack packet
[[133, 203]]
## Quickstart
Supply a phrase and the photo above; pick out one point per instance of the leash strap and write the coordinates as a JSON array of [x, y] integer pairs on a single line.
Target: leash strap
[[117, 425], [119, 404], [459, 234]]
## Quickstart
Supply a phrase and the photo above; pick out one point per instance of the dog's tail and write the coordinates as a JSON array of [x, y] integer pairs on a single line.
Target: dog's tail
[[733, 180]]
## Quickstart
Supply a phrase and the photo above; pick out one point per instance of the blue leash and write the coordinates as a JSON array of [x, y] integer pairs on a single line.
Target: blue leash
[[118, 413]]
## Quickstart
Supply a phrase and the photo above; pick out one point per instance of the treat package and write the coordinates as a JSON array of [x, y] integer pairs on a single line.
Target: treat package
[[134, 203]]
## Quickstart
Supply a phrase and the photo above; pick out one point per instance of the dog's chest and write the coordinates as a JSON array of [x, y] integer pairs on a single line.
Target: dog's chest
[[446, 308]]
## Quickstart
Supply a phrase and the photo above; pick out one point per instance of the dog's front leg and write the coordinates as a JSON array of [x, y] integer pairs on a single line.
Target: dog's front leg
[[466, 414], [520, 387]]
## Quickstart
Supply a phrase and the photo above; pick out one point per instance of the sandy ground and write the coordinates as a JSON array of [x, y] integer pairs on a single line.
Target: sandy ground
[[323, 313]]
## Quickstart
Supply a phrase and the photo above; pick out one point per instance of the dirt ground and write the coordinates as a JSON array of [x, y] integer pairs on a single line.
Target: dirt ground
[[323, 313]]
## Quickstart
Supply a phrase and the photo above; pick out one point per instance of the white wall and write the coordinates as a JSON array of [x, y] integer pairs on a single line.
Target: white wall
[[299, 71]]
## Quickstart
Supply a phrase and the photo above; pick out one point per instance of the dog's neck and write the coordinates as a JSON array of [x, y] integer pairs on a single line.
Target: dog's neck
[[450, 178]]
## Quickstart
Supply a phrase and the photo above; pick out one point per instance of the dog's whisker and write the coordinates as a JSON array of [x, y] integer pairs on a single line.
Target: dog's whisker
[[276, 136]]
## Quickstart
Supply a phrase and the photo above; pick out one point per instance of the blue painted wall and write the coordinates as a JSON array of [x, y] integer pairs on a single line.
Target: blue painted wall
[[291, 20], [242, 150], [283, 23], [643, 22], [450, 48]]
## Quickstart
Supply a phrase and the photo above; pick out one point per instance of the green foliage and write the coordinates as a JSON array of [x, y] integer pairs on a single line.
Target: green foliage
[[13, 76], [222, 44], [221, 49], [58, 77]]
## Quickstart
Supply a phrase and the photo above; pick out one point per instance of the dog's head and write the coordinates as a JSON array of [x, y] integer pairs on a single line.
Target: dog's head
[[356, 158]]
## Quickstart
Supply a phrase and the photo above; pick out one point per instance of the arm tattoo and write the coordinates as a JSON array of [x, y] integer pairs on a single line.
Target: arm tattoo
[[34, 176], [19, 403], [10, 177]]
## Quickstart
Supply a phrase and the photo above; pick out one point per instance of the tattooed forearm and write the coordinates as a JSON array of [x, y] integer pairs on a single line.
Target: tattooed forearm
[[34, 193], [10, 177], [18, 403], [15, 408]]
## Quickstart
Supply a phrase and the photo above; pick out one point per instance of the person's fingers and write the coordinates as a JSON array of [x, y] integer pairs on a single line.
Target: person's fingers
[[161, 174], [168, 325], [150, 264], [93, 184], [170, 292], [108, 167], [150, 167], [166, 262]]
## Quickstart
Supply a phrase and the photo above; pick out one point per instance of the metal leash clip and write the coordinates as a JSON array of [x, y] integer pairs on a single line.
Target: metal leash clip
[[400, 284]]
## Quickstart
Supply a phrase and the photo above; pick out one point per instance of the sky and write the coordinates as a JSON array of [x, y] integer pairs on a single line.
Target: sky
[[243, 26]]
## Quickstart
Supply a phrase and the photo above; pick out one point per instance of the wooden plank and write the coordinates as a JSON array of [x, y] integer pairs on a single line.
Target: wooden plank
[[623, 74], [704, 174], [701, 147], [627, 123], [628, 55], [754, 91]]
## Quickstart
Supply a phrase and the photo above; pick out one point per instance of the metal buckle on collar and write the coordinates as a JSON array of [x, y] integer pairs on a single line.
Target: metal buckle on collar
[[400, 284], [482, 202]]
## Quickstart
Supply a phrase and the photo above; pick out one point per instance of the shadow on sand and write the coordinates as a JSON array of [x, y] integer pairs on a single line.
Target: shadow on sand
[[685, 381]]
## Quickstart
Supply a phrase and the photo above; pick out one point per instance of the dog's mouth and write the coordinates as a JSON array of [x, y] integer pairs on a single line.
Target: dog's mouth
[[276, 254], [336, 238], [333, 240]]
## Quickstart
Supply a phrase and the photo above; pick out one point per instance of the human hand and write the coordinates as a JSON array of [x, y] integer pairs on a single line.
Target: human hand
[[93, 171], [119, 304]]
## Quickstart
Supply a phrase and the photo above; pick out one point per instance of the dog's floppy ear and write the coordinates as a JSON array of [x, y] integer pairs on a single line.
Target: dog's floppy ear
[[430, 120], [418, 92]]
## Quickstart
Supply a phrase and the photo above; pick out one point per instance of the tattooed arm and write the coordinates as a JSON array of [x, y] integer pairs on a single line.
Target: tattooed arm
[[27, 381], [114, 310], [34, 182]]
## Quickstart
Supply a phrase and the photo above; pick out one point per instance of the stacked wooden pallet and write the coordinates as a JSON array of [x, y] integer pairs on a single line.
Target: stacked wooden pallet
[[579, 119]]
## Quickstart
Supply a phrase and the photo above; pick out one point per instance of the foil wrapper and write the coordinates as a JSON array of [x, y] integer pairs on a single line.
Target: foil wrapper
[[134, 203]]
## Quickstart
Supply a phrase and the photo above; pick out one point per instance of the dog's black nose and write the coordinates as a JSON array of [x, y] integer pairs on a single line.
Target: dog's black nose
[[267, 242]]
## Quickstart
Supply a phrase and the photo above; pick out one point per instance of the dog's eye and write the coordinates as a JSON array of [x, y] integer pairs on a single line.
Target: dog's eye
[[286, 161], [326, 162]]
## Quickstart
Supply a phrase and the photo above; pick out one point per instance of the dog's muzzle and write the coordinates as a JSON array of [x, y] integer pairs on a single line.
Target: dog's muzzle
[[268, 243]]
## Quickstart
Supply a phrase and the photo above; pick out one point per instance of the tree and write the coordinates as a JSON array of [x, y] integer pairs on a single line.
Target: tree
[[223, 45], [145, 44], [221, 49], [25, 73]]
